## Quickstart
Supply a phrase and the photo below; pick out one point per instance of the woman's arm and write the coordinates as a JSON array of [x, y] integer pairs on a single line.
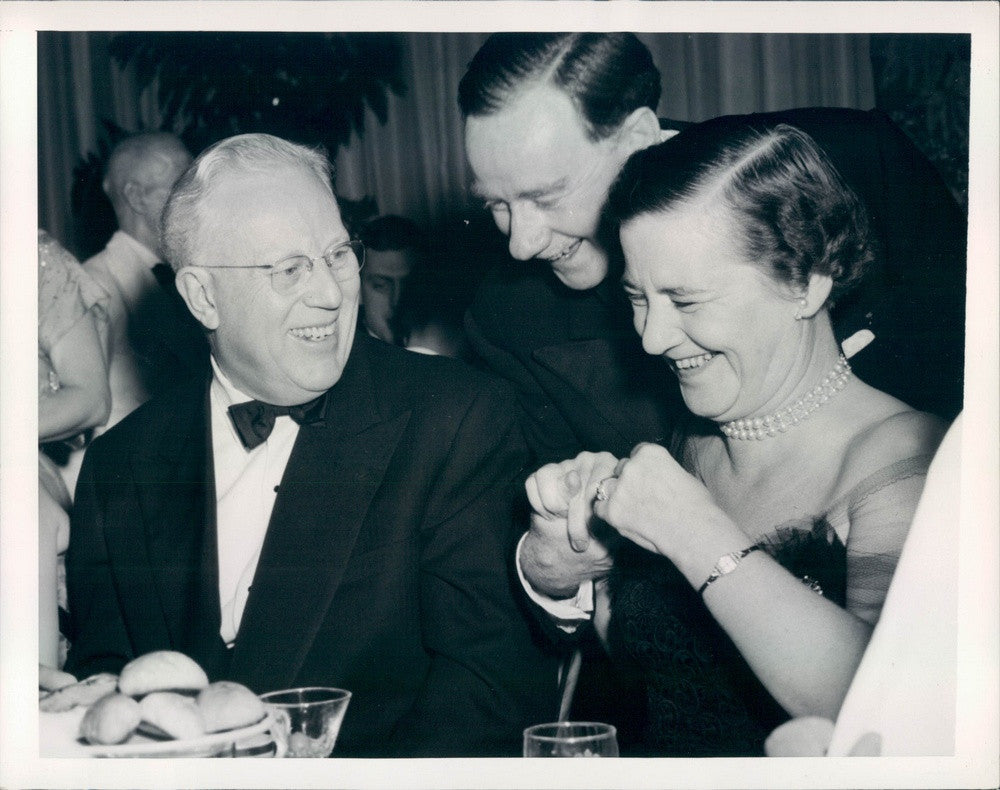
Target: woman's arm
[[804, 648], [83, 399], [53, 526]]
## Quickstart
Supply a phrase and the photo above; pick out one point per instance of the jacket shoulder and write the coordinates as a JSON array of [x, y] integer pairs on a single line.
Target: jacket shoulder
[[408, 376], [521, 306], [157, 421]]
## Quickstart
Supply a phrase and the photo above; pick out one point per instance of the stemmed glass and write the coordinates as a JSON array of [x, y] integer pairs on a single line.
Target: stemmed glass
[[571, 739], [307, 720]]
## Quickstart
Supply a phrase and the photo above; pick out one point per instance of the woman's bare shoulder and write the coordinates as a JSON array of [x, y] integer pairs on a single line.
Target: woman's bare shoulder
[[900, 434]]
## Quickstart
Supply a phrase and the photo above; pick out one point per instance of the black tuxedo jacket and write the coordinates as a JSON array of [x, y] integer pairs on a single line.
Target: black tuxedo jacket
[[384, 569], [165, 335], [577, 362]]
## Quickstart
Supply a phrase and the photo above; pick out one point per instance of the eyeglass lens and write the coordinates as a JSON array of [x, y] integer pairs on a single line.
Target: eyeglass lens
[[344, 262]]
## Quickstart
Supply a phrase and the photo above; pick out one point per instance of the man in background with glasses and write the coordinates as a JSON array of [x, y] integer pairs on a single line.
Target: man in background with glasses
[[319, 509]]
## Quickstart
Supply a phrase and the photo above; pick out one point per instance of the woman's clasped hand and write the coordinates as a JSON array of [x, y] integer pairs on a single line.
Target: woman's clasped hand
[[653, 501]]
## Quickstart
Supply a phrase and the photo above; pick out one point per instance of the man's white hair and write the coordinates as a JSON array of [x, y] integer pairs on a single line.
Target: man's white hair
[[144, 157], [244, 153]]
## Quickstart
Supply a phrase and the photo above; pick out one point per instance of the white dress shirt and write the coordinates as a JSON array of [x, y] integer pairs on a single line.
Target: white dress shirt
[[124, 268], [246, 483]]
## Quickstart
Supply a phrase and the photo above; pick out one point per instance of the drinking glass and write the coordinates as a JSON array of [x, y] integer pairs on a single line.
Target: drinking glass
[[571, 739], [307, 720]]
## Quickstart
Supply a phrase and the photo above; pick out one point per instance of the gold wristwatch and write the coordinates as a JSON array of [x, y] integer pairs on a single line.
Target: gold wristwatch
[[727, 564]]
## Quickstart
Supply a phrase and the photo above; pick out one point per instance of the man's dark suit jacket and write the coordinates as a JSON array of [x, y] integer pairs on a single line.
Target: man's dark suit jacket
[[578, 364], [385, 568]]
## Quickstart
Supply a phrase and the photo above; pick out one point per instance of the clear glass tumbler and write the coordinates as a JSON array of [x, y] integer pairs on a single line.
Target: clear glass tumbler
[[571, 739], [307, 720]]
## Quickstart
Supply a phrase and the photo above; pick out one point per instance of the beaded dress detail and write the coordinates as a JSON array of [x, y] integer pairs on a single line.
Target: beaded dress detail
[[65, 294], [702, 699]]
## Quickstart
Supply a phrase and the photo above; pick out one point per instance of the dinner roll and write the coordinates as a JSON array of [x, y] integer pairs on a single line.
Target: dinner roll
[[227, 706], [85, 692], [161, 670], [178, 716], [112, 719]]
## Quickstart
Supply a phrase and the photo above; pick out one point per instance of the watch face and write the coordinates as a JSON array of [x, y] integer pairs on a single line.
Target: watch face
[[727, 564]]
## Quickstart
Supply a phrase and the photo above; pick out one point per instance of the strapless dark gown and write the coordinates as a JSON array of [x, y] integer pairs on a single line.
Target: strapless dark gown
[[701, 698]]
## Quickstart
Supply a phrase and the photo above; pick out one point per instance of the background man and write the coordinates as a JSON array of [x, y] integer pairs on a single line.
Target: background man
[[318, 508], [153, 340], [394, 246], [549, 121]]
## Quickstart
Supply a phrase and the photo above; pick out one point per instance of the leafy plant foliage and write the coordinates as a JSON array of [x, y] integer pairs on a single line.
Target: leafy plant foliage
[[313, 88], [308, 87]]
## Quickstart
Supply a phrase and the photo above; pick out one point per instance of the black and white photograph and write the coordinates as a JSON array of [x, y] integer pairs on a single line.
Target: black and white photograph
[[435, 387]]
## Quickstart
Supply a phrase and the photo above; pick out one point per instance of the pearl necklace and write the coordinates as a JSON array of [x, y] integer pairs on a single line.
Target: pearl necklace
[[783, 419]]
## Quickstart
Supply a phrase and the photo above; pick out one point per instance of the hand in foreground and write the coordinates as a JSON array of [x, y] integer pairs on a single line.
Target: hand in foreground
[[561, 550], [656, 504]]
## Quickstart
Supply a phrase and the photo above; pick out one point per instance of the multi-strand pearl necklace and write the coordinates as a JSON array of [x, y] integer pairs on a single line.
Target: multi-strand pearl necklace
[[783, 419]]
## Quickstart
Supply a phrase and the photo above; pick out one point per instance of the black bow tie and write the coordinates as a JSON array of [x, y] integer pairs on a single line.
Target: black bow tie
[[254, 420]]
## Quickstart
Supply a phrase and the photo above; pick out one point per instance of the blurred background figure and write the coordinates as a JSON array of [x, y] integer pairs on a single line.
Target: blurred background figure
[[428, 318], [152, 339], [148, 341], [394, 245], [73, 397]]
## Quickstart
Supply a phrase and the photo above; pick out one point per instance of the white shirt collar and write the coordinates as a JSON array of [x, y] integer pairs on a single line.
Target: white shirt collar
[[228, 392], [223, 395], [138, 250]]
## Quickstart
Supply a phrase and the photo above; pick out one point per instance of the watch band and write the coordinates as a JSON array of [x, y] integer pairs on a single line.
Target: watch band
[[727, 564]]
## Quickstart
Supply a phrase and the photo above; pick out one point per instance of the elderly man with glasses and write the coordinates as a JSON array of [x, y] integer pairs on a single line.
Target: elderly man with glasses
[[319, 509]]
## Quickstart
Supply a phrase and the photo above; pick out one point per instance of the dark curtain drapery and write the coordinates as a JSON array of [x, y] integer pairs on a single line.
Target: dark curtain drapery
[[415, 164]]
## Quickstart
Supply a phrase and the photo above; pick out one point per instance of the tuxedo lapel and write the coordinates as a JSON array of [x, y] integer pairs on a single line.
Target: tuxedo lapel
[[331, 478], [176, 493], [603, 363]]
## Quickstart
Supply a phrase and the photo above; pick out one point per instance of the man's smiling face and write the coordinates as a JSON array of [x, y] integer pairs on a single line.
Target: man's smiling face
[[545, 181], [282, 348]]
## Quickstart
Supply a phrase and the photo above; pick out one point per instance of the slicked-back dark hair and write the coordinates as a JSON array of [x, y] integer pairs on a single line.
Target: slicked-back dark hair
[[606, 75], [796, 214]]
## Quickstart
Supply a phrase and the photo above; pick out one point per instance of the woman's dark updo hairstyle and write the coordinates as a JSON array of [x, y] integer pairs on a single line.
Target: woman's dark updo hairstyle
[[796, 213], [607, 75]]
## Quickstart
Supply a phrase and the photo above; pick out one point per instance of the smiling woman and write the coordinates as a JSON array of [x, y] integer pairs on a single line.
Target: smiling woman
[[720, 257], [750, 570]]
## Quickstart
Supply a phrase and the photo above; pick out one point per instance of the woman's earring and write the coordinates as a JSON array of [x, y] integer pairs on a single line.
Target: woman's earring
[[803, 304]]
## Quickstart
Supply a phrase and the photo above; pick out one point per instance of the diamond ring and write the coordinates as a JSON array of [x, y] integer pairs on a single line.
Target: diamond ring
[[601, 494]]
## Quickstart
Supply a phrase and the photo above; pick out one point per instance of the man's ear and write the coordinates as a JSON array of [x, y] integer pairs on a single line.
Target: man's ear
[[197, 288], [816, 294], [640, 130], [135, 195]]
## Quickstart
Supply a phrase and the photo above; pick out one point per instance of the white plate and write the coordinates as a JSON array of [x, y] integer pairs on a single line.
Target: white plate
[[254, 740]]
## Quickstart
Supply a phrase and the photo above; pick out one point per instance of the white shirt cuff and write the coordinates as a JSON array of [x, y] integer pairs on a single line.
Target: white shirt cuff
[[568, 613]]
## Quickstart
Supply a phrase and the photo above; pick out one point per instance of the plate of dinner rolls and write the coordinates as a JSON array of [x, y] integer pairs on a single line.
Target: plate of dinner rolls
[[162, 705]]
